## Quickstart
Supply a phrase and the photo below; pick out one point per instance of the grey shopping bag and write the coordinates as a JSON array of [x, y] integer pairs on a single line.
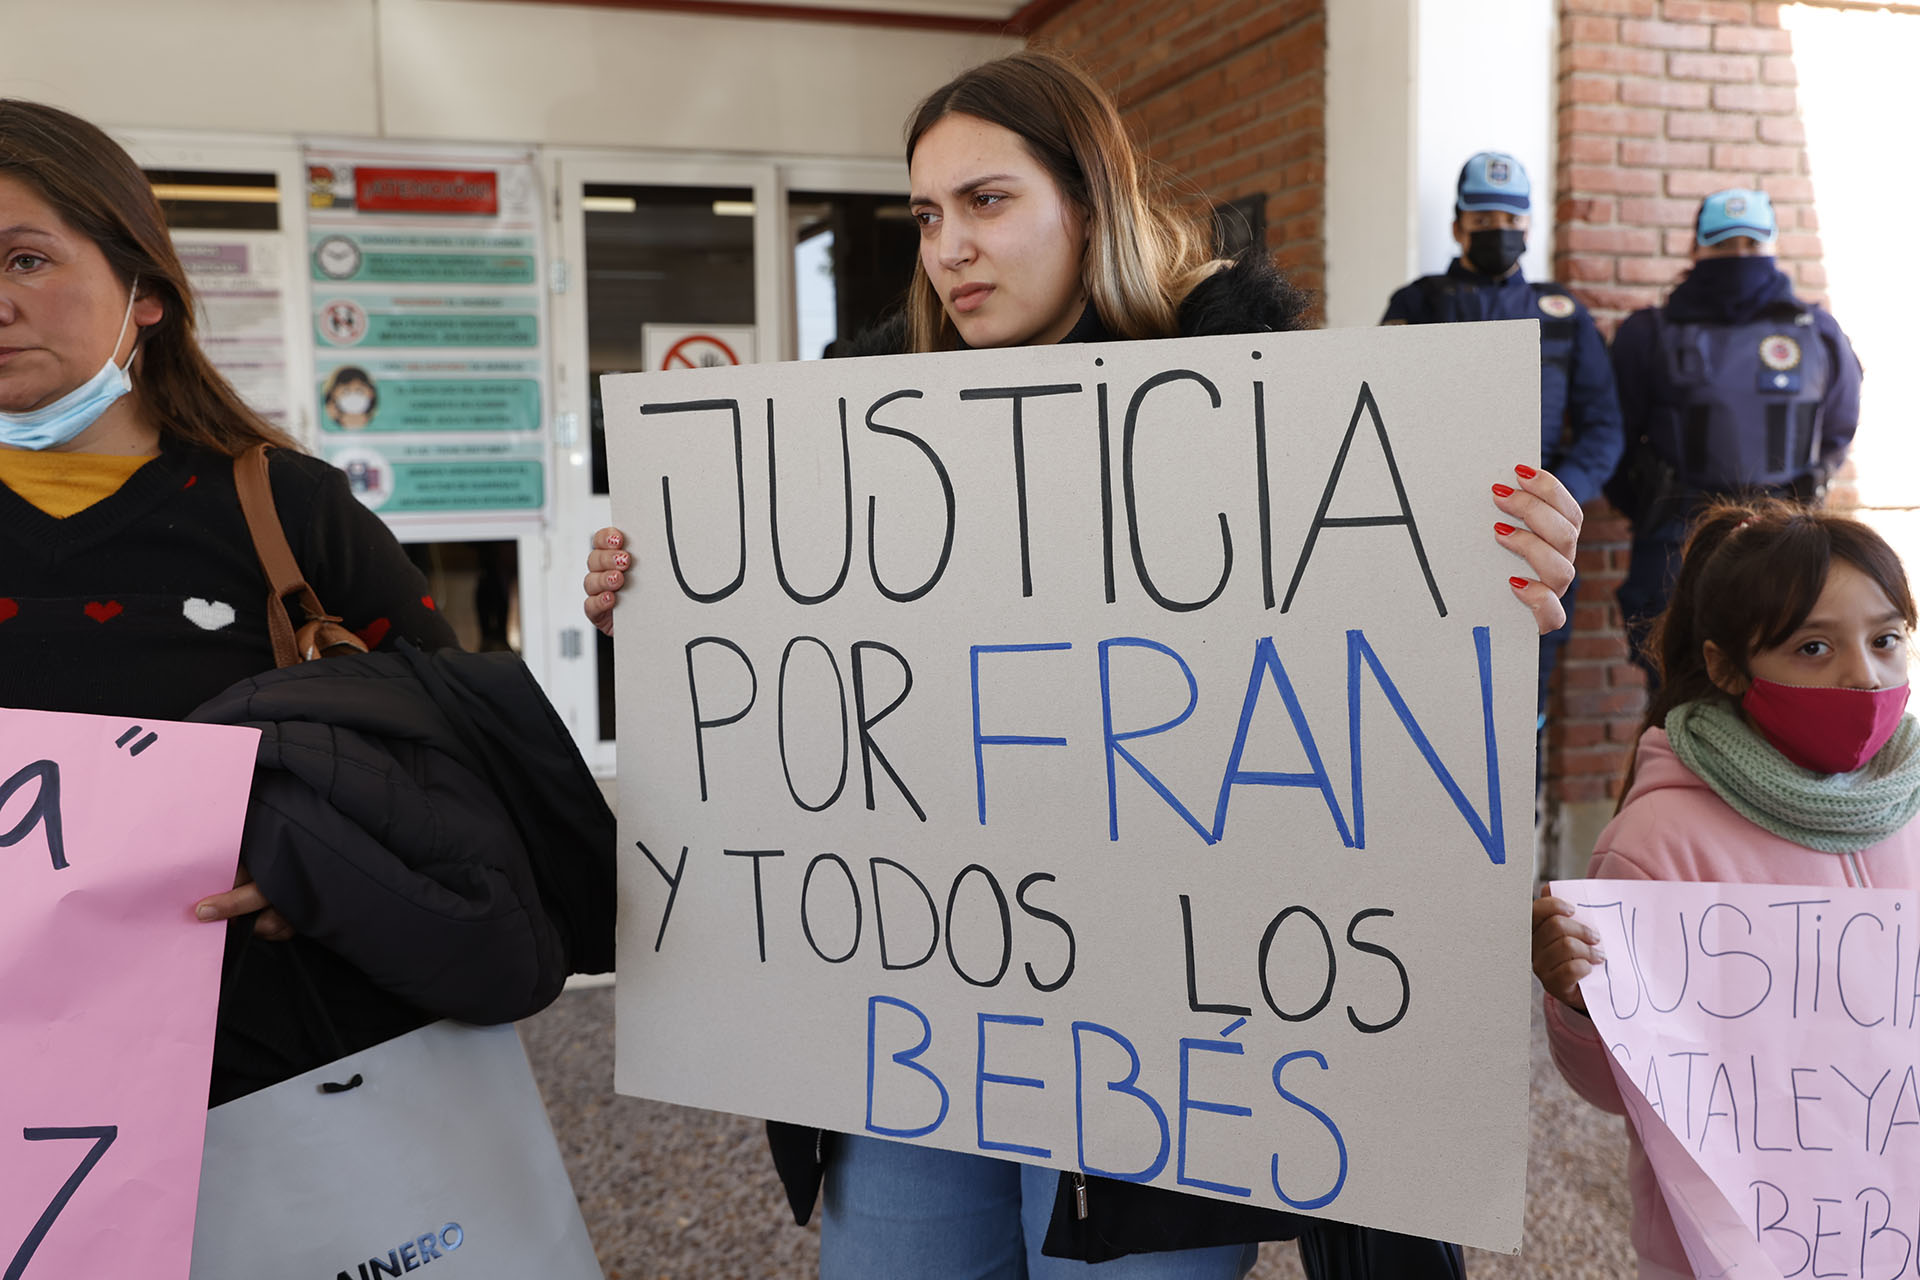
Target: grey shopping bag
[[431, 1150]]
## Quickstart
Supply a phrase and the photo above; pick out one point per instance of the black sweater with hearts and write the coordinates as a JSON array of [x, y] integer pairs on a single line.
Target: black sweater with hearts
[[151, 601]]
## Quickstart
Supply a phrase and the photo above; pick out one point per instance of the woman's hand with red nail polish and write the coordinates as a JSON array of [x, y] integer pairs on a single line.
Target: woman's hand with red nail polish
[[606, 575], [1547, 539]]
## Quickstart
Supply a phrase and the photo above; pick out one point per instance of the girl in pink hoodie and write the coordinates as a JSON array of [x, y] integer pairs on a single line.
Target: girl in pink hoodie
[[1775, 751]]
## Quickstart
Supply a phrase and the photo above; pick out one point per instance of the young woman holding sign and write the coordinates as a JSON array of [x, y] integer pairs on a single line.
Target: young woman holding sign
[[130, 585], [1041, 222], [1776, 752]]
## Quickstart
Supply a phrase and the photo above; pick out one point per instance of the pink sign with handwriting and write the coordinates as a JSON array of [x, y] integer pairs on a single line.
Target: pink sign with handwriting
[[110, 831], [1764, 1039]]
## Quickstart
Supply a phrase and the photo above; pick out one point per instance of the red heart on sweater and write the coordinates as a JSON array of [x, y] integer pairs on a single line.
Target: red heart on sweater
[[427, 601], [106, 612], [374, 632], [8, 608]]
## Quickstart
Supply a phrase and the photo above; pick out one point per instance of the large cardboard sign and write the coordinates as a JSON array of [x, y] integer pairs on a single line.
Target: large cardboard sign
[[1116, 757], [110, 831], [1763, 1038]]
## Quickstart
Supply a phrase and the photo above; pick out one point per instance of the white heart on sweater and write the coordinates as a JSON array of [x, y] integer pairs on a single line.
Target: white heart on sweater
[[208, 615]]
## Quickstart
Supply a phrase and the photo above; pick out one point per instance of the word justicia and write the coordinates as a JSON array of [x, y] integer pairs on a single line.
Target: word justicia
[[411, 1255]]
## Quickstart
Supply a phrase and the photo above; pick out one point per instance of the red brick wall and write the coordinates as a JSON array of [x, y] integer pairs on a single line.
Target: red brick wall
[[1661, 102], [1229, 94]]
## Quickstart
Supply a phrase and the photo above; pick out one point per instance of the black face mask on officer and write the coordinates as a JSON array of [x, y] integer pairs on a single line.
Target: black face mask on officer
[[1493, 251]]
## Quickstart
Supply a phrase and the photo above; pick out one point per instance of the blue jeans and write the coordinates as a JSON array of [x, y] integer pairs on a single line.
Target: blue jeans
[[893, 1210]]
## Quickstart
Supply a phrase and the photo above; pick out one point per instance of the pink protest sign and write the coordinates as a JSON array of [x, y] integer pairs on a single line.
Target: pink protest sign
[[1764, 1040], [110, 831]]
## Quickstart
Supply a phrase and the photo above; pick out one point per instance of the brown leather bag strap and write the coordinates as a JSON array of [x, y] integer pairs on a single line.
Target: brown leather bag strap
[[318, 632]]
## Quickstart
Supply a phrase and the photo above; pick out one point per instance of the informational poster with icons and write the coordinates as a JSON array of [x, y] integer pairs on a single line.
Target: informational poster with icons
[[429, 330], [238, 283]]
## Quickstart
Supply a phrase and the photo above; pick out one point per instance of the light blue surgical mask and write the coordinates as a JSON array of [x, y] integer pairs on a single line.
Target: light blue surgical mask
[[55, 424]]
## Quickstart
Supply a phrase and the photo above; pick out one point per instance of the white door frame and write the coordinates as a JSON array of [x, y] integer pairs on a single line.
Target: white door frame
[[572, 680]]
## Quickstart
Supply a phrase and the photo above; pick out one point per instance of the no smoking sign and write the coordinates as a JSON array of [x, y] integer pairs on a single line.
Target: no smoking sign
[[680, 346]]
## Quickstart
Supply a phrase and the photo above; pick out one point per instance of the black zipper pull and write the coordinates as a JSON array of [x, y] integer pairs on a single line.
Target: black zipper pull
[[1080, 1196]]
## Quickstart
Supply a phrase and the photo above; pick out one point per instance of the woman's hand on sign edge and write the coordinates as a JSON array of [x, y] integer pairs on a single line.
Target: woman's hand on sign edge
[[244, 899], [607, 565], [1564, 950], [1547, 542]]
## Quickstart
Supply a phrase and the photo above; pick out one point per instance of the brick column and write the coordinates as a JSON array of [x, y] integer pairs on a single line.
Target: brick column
[[1229, 94], [1661, 102]]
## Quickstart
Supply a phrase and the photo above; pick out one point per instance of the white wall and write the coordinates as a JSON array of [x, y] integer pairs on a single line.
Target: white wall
[[1414, 87], [226, 65], [486, 71], [1371, 155], [1486, 83], [1856, 78]]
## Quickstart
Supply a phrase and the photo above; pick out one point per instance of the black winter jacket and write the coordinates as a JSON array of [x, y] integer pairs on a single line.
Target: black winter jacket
[[1097, 1219], [427, 827]]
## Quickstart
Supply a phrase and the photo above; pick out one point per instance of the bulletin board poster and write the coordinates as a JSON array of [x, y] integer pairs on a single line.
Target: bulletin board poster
[[429, 331], [1113, 757], [239, 279]]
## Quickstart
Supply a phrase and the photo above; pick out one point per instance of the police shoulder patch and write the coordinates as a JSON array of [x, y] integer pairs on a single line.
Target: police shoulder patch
[[1779, 352], [1557, 305]]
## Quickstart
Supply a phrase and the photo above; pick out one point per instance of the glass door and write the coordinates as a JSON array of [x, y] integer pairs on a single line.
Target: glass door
[[850, 246], [663, 264], [670, 263]]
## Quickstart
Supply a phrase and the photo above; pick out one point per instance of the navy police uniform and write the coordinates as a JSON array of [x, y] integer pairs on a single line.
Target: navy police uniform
[[1734, 387], [1580, 426]]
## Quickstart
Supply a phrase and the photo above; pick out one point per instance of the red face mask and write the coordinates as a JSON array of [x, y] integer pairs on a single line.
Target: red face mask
[[1825, 730]]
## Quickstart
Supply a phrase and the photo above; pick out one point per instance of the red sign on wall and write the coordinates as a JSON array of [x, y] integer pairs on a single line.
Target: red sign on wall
[[426, 190]]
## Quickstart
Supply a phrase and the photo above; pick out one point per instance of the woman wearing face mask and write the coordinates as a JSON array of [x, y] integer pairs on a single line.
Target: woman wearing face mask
[[1040, 222], [129, 582], [350, 398], [1776, 752]]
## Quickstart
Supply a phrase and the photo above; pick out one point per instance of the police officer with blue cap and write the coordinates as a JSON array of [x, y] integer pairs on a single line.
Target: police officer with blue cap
[[1580, 428], [1735, 386]]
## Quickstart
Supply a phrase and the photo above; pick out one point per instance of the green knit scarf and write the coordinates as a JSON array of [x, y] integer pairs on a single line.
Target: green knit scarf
[[1833, 813]]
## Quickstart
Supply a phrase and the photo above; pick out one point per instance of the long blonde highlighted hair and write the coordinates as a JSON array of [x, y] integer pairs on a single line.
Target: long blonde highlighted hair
[[1146, 249]]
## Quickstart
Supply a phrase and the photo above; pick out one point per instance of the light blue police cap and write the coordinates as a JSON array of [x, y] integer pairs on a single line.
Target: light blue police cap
[[1734, 212], [1493, 180]]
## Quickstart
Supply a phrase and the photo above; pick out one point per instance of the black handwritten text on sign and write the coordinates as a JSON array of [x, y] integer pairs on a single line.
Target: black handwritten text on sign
[[109, 833], [1114, 757]]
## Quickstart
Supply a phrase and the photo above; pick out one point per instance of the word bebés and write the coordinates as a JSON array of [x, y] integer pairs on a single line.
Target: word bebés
[[411, 1255], [1795, 1235], [1315, 1167]]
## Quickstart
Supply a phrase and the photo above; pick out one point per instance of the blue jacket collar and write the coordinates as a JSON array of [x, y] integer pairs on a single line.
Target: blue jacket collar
[[1459, 270]]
